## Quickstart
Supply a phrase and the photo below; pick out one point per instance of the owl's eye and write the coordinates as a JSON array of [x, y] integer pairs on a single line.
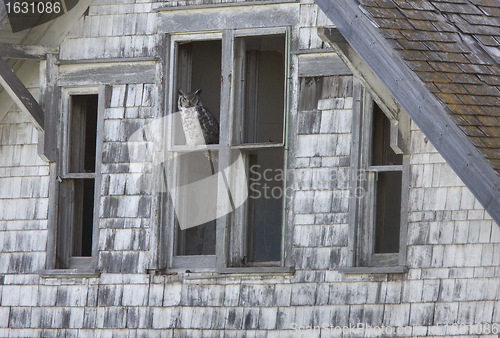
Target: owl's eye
[[184, 100]]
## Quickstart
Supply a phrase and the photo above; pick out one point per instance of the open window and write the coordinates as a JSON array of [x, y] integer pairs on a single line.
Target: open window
[[238, 185], [78, 202], [379, 193]]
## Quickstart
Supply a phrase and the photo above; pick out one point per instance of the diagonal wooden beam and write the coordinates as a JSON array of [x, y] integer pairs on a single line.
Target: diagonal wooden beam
[[20, 95], [8, 50], [3, 11]]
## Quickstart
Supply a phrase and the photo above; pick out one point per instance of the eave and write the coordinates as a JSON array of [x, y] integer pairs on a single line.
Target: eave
[[413, 96]]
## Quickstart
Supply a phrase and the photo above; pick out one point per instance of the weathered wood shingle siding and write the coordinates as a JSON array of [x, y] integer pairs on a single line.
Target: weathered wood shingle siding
[[125, 210], [24, 181]]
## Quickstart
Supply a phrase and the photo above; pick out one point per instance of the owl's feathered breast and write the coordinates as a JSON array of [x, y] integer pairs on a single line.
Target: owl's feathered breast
[[200, 126]]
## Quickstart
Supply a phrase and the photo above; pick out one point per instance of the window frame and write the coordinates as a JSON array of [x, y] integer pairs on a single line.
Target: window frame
[[362, 202], [64, 256], [225, 253]]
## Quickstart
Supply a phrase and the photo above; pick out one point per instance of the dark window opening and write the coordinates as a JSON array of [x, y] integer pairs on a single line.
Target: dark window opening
[[83, 217], [388, 212], [260, 62], [77, 190], [82, 134], [382, 153], [196, 204], [199, 67], [243, 230], [388, 186], [265, 205]]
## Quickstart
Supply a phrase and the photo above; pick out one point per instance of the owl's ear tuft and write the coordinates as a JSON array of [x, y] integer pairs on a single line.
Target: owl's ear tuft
[[198, 92], [180, 92]]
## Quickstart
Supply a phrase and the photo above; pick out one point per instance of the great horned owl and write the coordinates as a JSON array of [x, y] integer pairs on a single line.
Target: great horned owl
[[199, 124]]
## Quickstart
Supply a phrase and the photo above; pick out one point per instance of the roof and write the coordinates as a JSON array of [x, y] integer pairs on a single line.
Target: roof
[[440, 62]]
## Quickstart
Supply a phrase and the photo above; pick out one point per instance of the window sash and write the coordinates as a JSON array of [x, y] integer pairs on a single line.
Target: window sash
[[362, 210], [224, 251], [65, 222]]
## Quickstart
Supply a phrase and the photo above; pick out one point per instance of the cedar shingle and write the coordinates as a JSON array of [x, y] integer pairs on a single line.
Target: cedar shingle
[[487, 40], [477, 141], [432, 87], [433, 56], [387, 13], [403, 4], [463, 78], [368, 3], [453, 47], [462, 109], [433, 77], [488, 3], [470, 120], [444, 26], [450, 57], [479, 100], [459, 120], [476, 60], [476, 69], [473, 131], [451, 88], [491, 153], [489, 121], [391, 33], [393, 23], [482, 90], [481, 20], [491, 11], [430, 36], [477, 29], [490, 131], [490, 79], [412, 45], [420, 15], [491, 111], [422, 5], [413, 55], [456, 8], [385, 3], [419, 66], [423, 25], [394, 44], [447, 67], [453, 1], [448, 98]]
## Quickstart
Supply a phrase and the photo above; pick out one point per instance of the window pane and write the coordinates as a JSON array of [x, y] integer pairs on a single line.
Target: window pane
[[83, 217], [199, 67], [196, 203], [260, 74], [265, 205], [82, 134], [388, 212], [382, 153]]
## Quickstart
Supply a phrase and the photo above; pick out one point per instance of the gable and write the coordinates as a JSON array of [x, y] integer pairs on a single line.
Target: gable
[[435, 67]]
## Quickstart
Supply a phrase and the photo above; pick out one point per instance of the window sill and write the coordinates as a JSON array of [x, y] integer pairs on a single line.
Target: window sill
[[70, 273], [373, 269], [226, 272]]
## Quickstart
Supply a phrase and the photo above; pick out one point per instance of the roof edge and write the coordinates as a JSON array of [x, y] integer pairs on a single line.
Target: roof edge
[[420, 104]]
